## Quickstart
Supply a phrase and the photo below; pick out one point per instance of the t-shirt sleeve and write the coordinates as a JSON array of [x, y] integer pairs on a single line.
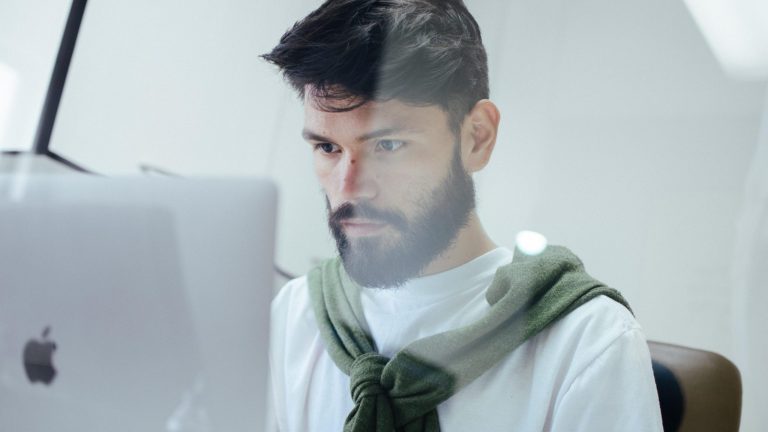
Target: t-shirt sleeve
[[615, 392], [282, 311]]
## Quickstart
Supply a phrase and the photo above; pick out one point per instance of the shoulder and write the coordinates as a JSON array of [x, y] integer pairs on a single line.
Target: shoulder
[[594, 326], [600, 319], [607, 379], [600, 332], [294, 299], [292, 306], [296, 353], [293, 289], [293, 331]]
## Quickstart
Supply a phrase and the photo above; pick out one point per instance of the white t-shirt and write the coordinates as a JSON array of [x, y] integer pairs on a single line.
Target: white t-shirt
[[590, 371]]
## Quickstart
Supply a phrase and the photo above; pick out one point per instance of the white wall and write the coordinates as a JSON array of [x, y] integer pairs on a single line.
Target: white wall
[[628, 143], [621, 138], [30, 33]]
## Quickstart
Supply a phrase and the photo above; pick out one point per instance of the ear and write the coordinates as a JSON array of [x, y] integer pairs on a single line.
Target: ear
[[479, 133]]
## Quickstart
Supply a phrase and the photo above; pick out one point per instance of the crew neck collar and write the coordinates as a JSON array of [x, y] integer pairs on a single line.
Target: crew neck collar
[[433, 288]]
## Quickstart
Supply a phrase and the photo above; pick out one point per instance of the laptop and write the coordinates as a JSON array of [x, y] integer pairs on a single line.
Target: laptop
[[134, 304]]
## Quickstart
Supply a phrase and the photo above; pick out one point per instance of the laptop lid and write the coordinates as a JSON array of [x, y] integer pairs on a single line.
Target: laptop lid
[[134, 304]]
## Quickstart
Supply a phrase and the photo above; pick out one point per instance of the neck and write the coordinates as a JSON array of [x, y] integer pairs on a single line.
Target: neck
[[471, 242]]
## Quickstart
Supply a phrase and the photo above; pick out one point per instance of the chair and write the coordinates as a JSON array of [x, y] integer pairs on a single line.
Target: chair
[[699, 391]]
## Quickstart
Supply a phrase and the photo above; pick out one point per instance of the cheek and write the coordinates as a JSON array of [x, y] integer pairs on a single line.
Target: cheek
[[324, 173], [406, 193]]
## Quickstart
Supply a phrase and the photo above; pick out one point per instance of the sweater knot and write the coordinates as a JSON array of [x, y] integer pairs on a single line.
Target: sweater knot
[[365, 376]]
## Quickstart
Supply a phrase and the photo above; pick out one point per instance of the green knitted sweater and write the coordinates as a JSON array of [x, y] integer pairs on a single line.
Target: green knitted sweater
[[401, 394]]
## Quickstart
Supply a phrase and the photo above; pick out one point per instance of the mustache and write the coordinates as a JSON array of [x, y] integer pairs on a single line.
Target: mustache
[[365, 211]]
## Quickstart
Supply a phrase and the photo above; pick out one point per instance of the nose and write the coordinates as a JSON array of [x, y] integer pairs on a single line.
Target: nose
[[356, 181]]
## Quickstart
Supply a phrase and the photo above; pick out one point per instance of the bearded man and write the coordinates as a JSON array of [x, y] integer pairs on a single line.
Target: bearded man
[[423, 323]]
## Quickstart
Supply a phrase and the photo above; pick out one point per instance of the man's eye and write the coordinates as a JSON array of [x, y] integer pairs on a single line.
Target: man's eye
[[389, 145], [327, 148]]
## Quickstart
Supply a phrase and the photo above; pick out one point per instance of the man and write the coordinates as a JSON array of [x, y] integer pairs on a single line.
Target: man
[[423, 323]]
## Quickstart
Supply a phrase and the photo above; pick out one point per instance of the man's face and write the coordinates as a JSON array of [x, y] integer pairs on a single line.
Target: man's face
[[396, 190]]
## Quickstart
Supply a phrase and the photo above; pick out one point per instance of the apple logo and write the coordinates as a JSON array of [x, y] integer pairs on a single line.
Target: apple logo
[[38, 359]]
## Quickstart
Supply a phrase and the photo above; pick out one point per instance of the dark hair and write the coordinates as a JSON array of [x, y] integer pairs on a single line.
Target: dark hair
[[422, 52]]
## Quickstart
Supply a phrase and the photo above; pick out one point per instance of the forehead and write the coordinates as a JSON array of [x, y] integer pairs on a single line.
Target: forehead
[[392, 114]]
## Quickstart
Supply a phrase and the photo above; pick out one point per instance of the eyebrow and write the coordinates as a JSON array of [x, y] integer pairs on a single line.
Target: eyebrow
[[312, 136]]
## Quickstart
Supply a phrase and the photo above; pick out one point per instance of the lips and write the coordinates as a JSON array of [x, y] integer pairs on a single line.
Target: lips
[[358, 227]]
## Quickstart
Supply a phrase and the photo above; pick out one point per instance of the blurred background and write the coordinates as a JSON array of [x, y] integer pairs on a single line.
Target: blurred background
[[634, 132]]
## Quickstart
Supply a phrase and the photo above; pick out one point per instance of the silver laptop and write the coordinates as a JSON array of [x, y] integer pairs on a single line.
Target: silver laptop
[[134, 304]]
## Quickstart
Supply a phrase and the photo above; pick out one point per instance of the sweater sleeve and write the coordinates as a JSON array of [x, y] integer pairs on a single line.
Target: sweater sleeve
[[615, 392]]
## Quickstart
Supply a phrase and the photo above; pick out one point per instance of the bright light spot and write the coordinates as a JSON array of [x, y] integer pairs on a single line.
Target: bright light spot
[[531, 242], [737, 33], [8, 83]]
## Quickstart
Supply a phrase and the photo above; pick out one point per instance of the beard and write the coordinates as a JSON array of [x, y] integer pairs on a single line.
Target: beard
[[377, 263]]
